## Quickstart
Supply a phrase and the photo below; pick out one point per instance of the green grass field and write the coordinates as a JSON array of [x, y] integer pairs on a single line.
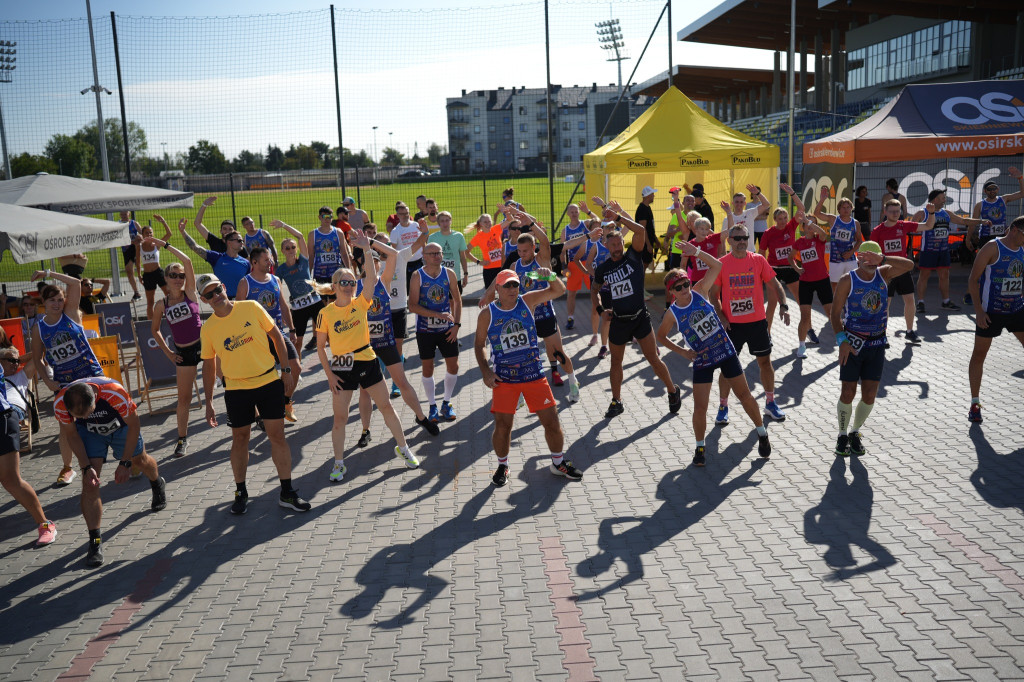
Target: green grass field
[[464, 199]]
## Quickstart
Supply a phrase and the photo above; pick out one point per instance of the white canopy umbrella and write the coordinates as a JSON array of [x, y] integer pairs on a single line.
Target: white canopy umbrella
[[84, 197], [34, 235]]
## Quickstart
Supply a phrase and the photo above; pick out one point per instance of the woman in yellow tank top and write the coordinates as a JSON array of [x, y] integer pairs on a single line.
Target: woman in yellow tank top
[[348, 360]]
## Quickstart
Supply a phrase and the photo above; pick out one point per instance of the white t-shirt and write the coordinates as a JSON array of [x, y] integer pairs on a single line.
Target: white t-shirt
[[14, 397], [403, 236], [746, 219], [398, 288]]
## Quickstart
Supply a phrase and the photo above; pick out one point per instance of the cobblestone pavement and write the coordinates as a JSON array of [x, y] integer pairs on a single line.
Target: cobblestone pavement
[[906, 563]]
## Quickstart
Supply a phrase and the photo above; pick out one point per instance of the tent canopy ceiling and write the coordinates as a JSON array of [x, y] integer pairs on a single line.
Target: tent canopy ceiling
[[975, 118], [34, 235], [83, 197]]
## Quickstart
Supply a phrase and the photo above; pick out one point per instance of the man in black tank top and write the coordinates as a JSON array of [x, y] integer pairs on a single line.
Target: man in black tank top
[[622, 275]]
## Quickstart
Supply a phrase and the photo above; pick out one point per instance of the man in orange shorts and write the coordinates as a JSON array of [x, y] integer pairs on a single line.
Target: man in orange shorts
[[576, 277], [508, 325]]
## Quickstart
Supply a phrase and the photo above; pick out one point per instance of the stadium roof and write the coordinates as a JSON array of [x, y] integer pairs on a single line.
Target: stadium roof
[[764, 24], [713, 82]]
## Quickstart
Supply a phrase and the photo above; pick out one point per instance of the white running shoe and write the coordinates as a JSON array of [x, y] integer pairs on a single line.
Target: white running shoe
[[339, 471], [574, 392], [407, 456]]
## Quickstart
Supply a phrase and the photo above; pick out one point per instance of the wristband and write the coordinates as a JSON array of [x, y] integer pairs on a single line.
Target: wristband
[[600, 309], [456, 324], [87, 467], [125, 463], [883, 261], [784, 307], [841, 338]]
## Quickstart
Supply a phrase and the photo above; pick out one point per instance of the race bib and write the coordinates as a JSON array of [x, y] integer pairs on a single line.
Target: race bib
[[343, 363], [494, 254], [103, 429], [448, 264], [622, 289], [741, 306], [178, 312], [150, 257], [842, 235], [328, 258], [701, 265], [305, 300], [64, 352], [376, 328], [782, 253], [1011, 286], [706, 327], [808, 255], [940, 233], [999, 230], [856, 342], [437, 323], [515, 340], [893, 245]]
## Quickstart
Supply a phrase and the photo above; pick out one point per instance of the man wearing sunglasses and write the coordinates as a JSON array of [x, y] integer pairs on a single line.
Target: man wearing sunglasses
[[738, 296], [325, 244], [229, 266], [508, 325], [405, 234], [239, 334]]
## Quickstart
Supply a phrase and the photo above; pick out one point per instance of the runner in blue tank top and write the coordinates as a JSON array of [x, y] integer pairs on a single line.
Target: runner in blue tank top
[[571, 270], [992, 207], [382, 339], [509, 327], [435, 299], [935, 254], [996, 288], [593, 253], [265, 288], [710, 347], [256, 237], [844, 236], [325, 244], [59, 340], [860, 313], [304, 301]]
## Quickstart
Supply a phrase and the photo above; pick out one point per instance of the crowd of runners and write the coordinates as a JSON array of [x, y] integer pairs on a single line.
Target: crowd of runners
[[353, 286]]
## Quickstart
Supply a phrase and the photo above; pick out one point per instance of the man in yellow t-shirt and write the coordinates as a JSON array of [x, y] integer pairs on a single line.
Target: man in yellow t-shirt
[[239, 335]]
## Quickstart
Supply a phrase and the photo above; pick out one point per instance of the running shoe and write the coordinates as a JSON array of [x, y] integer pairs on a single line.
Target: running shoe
[[698, 456], [521, 402], [95, 556], [764, 446], [722, 418], [570, 323], [259, 424], [675, 400], [433, 414], [614, 409], [801, 351], [567, 470], [430, 426], [137, 297], [407, 456], [396, 392], [843, 445], [66, 475], [159, 495], [500, 477], [136, 472], [289, 413], [812, 336], [240, 503], [593, 340], [47, 533], [291, 500], [447, 411], [920, 307], [338, 472], [603, 352], [974, 415], [912, 337], [556, 378], [574, 391], [311, 345], [949, 305], [856, 446], [967, 299], [364, 439], [774, 411], [181, 448]]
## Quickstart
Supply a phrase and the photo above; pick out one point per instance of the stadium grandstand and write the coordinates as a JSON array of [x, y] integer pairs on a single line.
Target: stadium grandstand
[[851, 58]]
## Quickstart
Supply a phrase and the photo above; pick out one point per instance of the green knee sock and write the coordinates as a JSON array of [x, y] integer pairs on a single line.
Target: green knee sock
[[861, 415]]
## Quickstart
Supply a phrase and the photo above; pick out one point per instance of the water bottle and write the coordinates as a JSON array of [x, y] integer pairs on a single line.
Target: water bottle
[[534, 274]]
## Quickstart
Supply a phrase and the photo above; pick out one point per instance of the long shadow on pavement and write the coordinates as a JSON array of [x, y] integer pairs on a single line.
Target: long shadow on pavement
[[843, 519], [999, 478]]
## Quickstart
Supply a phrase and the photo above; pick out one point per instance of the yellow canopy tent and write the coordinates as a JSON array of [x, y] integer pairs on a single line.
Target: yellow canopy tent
[[673, 142]]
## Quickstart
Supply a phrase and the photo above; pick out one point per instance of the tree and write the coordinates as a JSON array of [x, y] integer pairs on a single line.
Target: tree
[[275, 158], [248, 161], [137, 144], [71, 155], [392, 157], [205, 157], [322, 150], [435, 152], [29, 164], [360, 160], [302, 157]]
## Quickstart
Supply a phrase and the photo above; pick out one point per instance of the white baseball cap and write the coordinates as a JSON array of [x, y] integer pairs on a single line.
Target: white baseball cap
[[647, 191]]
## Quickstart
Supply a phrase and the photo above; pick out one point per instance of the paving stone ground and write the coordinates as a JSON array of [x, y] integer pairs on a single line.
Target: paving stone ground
[[906, 563]]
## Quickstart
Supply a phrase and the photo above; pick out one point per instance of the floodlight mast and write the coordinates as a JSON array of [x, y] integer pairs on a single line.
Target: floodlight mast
[[7, 67], [609, 34]]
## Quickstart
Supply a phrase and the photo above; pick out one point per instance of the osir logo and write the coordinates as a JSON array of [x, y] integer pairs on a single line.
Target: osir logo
[[961, 193], [813, 189], [114, 320], [992, 106], [692, 161], [641, 162]]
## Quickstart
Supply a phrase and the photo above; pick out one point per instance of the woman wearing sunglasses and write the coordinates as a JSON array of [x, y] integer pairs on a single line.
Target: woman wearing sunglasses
[[351, 364], [181, 310], [694, 316]]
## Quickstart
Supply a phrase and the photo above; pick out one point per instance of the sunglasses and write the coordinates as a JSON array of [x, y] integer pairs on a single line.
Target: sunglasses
[[680, 286], [431, 253], [739, 239], [289, 248], [234, 239], [216, 291], [510, 285], [176, 275], [346, 283]]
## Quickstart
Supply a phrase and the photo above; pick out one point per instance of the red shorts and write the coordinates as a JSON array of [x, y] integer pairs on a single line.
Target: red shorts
[[576, 277], [537, 393]]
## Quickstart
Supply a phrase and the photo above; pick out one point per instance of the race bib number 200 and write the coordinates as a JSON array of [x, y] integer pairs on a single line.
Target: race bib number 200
[[343, 363]]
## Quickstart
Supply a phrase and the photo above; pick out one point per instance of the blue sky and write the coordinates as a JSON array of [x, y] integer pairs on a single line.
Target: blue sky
[[267, 76]]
